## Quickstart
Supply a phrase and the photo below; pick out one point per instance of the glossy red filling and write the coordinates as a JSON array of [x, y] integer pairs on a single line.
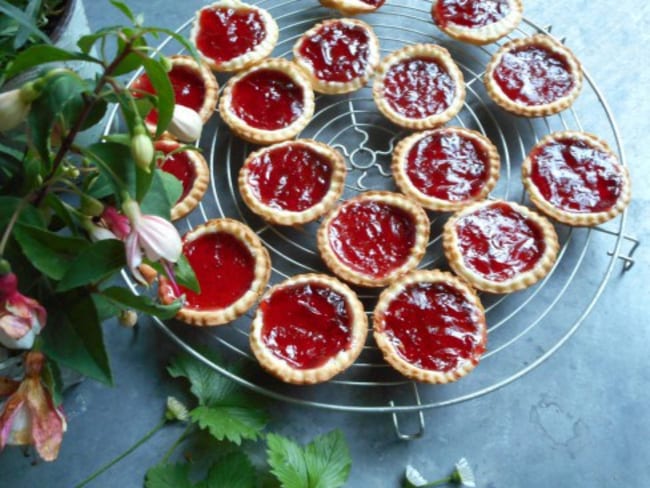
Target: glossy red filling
[[306, 324], [448, 166], [189, 90], [471, 13], [291, 177], [337, 52], [226, 33], [497, 242], [373, 238], [418, 88], [178, 164], [433, 326], [532, 75], [224, 268], [267, 99], [576, 177], [374, 3]]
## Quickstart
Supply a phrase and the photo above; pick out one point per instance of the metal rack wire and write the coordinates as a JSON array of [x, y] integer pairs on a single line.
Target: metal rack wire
[[525, 328]]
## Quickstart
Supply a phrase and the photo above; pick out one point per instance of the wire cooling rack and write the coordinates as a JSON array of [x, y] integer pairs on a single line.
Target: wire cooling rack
[[525, 328]]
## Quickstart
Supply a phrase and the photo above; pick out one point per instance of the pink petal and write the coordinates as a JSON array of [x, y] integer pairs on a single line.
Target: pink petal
[[11, 409], [134, 257], [13, 327], [159, 238], [47, 424]]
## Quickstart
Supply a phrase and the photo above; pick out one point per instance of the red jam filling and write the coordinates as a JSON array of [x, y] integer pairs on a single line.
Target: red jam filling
[[337, 52], [472, 14], [291, 177], [532, 75], [178, 164], [373, 238], [306, 324], [189, 90], [226, 33], [418, 88], [374, 3], [497, 242], [448, 166], [267, 99], [576, 177], [224, 268], [433, 326]]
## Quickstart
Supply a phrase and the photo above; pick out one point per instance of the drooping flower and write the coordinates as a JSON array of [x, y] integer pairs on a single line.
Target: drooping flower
[[29, 415], [14, 104], [186, 124], [117, 223]]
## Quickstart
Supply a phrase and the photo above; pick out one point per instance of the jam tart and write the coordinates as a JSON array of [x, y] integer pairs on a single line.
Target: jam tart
[[575, 178], [446, 169], [534, 76], [477, 21], [308, 329], [292, 182], [499, 246], [338, 55], [271, 102], [353, 7], [419, 87], [232, 268], [190, 168], [231, 36], [371, 239], [430, 326]]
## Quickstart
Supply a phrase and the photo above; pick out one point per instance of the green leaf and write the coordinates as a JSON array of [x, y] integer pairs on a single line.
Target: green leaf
[[162, 195], [105, 308], [164, 91], [115, 164], [323, 463], [232, 423], [168, 476], [125, 299], [185, 275], [86, 43], [28, 215], [131, 61], [95, 263], [234, 470], [178, 38], [62, 210], [52, 379], [23, 20], [24, 31], [42, 54], [124, 8]]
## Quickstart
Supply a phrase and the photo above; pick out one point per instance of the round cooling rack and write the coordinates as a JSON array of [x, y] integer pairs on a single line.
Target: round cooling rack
[[525, 328]]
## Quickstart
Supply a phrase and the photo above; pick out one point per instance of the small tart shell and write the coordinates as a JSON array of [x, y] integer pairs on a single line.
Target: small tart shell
[[287, 217], [486, 34], [442, 56], [587, 219], [517, 282], [342, 270], [262, 272], [261, 136], [349, 7], [400, 157], [334, 365], [248, 59], [201, 180], [338, 87], [391, 355], [553, 46]]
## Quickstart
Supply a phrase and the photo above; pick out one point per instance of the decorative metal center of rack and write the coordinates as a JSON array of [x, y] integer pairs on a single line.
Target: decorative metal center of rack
[[525, 328]]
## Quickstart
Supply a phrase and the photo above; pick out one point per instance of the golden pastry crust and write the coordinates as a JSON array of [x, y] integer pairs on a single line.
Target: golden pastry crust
[[486, 34], [248, 59], [555, 47], [587, 219], [201, 178], [405, 184], [518, 281], [338, 87], [342, 270], [262, 272], [287, 217], [350, 7], [388, 349], [261, 136], [334, 365], [440, 55]]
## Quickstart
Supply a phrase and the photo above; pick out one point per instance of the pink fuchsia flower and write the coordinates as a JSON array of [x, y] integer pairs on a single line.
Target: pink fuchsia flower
[[29, 415], [21, 318], [117, 223]]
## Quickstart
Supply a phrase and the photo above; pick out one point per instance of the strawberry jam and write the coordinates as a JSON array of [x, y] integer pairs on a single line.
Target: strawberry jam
[[575, 176], [433, 326], [418, 88], [371, 237], [225, 33], [497, 242], [337, 52], [306, 324], [178, 164], [267, 99], [472, 14], [224, 268], [447, 165], [532, 75], [374, 3], [291, 177]]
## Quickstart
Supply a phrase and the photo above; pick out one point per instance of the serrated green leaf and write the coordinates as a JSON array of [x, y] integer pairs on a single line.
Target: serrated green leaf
[[95, 263], [287, 462], [168, 476], [231, 423], [125, 299], [234, 470], [42, 54]]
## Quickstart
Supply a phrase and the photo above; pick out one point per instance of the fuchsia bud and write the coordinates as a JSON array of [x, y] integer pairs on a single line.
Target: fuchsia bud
[[142, 148], [186, 124]]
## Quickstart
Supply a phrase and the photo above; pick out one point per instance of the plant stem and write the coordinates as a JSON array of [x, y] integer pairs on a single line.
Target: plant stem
[[116, 460], [439, 482], [10, 225], [178, 442]]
